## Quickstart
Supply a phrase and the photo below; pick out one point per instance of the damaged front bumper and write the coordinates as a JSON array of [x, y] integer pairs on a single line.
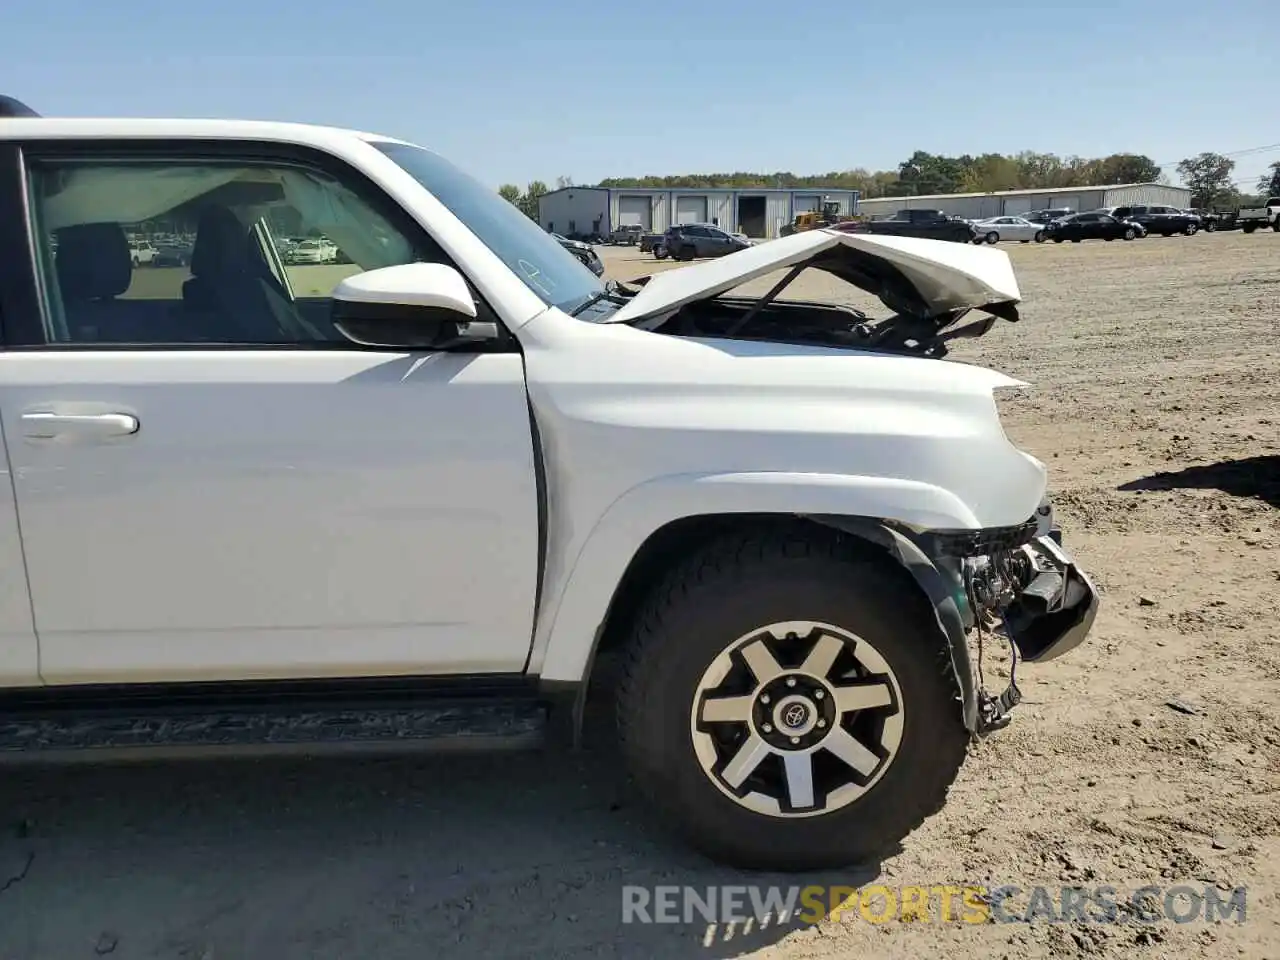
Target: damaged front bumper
[[1054, 612], [1018, 583]]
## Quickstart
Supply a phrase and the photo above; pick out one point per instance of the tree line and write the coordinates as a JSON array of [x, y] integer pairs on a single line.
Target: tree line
[[1209, 175]]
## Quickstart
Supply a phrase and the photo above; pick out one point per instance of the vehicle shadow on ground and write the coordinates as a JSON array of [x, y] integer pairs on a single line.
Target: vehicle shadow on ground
[[1257, 477], [518, 855]]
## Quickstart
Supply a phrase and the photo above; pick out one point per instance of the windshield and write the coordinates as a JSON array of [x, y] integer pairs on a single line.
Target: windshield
[[548, 269]]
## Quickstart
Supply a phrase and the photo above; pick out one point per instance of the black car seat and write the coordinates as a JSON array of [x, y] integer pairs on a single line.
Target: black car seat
[[94, 268], [231, 296]]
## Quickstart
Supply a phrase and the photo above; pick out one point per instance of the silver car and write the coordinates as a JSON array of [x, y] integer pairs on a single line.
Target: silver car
[[995, 229]]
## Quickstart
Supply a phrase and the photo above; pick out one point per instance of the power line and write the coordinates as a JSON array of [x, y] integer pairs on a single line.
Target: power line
[[1247, 151]]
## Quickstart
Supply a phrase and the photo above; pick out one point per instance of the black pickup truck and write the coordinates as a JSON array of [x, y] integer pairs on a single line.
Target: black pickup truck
[[930, 224]]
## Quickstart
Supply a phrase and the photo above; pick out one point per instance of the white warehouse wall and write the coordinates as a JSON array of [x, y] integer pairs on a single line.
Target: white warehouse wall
[[575, 210]]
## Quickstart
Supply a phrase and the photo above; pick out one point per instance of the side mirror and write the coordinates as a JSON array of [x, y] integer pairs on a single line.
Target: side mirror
[[411, 306]]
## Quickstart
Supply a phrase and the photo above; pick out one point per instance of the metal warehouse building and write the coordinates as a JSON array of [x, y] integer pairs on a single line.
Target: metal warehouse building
[[1004, 203], [757, 212]]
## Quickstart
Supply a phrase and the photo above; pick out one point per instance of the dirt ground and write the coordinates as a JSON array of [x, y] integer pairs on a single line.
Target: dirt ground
[[1156, 406]]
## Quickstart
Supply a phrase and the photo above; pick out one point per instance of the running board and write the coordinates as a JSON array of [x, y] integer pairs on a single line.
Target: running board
[[163, 728]]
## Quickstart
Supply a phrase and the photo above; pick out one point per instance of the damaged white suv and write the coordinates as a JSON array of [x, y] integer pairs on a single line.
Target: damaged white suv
[[413, 498]]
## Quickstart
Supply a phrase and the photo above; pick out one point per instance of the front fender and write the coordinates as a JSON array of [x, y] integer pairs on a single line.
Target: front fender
[[577, 606]]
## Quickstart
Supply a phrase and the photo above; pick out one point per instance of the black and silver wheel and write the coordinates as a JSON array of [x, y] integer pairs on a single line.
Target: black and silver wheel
[[992, 237], [789, 703], [1211, 227], [1190, 229], [660, 252], [1040, 237], [1130, 233]]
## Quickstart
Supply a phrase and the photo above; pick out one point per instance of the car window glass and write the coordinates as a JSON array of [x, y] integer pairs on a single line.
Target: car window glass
[[696, 232], [243, 252]]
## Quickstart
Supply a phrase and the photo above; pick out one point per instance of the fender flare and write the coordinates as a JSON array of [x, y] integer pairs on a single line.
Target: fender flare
[[570, 630]]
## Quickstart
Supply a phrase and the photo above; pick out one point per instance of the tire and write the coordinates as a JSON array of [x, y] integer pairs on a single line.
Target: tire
[[1040, 237], [1190, 229], [1249, 228], [1057, 239], [723, 598], [1275, 225], [1130, 234], [1210, 227], [992, 237], [660, 253]]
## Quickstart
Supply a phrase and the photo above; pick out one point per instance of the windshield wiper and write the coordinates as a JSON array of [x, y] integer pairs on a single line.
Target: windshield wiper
[[611, 292]]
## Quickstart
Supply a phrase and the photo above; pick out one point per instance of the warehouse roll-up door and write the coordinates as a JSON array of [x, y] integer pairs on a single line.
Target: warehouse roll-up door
[[1067, 202], [1016, 206], [635, 211], [691, 209], [804, 203]]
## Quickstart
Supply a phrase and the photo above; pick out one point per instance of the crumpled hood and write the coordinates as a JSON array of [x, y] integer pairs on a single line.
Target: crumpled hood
[[924, 278]]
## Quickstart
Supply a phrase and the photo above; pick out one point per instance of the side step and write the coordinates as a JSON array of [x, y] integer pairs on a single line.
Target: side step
[[297, 718]]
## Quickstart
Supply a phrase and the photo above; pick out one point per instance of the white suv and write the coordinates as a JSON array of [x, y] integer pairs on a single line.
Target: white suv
[[420, 508], [141, 252]]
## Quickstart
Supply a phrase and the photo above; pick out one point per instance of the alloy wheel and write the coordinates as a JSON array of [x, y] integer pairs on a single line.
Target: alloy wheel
[[797, 719]]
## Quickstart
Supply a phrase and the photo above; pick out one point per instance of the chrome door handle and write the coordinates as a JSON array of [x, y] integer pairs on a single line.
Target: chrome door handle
[[45, 425]]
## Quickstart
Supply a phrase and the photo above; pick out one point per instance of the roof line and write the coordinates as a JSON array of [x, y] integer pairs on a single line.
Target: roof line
[[707, 189], [1030, 191]]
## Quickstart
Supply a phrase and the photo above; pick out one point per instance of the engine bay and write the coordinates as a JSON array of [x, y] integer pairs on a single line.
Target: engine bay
[[811, 323]]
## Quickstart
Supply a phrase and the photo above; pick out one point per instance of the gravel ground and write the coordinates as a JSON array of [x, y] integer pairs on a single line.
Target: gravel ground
[[1156, 406]]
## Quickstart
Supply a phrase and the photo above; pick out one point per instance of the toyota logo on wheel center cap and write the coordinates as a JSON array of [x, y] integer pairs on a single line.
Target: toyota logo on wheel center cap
[[795, 715]]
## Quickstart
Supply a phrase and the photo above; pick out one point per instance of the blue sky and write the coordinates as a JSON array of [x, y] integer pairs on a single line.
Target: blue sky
[[515, 90]]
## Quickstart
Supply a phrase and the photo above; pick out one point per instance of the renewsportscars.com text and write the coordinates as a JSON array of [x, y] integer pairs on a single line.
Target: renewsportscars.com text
[[969, 904]]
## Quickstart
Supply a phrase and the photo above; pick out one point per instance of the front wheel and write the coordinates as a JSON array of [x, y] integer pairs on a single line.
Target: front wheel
[[660, 253], [1040, 237], [1130, 234], [1250, 228], [789, 703], [993, 237]]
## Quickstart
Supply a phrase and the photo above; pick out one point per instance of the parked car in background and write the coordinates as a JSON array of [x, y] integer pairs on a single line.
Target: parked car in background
[[142, 252], [1215, 220], [928, 224], [995, 229], [1093, 226], [1048, 215], [172, 255], [627, 235], [1251, 218], [1165, 221], [584, 252], [689, 240], [310, 251]]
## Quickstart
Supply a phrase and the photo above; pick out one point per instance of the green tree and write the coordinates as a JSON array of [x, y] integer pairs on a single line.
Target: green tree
[[991, 172], [510, 192], [529, 201], [1209, 177], [925, 172], [1129, 168], [1269, 182]]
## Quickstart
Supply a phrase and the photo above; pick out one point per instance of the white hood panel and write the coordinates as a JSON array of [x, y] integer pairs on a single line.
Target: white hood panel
[[946, 275]]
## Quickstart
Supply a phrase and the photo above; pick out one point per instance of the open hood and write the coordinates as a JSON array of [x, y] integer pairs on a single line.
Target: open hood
[[913, 277]]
